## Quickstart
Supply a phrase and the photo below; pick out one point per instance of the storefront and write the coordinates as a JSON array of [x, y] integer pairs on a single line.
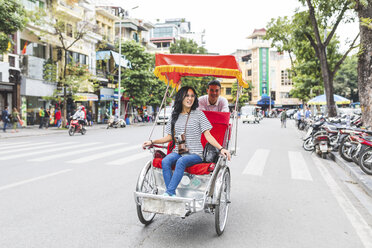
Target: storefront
[[89, 101]]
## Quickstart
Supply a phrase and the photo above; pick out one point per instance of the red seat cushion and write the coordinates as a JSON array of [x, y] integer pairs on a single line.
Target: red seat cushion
[[198, 169]]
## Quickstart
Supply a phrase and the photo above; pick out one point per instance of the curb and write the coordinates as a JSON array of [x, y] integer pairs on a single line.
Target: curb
[[364, 180]]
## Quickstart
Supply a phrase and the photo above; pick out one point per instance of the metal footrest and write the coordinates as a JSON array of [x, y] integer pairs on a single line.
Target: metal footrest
[[159, 204]]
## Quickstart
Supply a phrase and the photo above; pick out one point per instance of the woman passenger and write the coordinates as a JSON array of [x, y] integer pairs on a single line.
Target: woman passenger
[[192, 124]]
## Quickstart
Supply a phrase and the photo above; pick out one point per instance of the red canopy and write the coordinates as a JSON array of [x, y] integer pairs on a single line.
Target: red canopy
[[175, 66]]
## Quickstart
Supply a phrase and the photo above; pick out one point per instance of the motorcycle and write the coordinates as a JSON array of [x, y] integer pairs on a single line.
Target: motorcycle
[[365, 157], [115, 122], [322, 144], [74, 127]]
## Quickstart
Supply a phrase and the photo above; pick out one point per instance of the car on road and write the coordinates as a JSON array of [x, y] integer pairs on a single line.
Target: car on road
[[163, 118], [249, 114]]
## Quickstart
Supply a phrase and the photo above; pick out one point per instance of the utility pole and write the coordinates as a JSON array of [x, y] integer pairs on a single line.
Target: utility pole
[[119, 79]]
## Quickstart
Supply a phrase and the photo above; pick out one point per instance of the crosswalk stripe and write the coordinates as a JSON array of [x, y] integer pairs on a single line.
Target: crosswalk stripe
[[299, 169], [128, 159], [13, 143], [33, 147], [62, 146], [103, 154], [257, 163], [33, 179], [80, 151], [22, 146]]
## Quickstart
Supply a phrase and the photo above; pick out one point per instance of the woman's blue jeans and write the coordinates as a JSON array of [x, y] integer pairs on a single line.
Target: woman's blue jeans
[[181, 162]]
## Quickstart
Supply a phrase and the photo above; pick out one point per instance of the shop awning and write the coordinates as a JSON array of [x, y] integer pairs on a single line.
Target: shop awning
[[103, 55], [84, 97]]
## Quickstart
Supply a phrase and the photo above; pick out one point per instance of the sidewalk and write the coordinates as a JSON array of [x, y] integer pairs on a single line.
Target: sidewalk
[[364, 180], [35, 131]]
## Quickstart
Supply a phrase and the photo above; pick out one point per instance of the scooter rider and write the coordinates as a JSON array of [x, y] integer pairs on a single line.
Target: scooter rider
[[80, 116]]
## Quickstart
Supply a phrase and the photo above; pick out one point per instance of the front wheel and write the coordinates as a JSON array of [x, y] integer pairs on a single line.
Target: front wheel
[[223, 202], [365, 161], [146, 185], [71, 131], [344, 150]]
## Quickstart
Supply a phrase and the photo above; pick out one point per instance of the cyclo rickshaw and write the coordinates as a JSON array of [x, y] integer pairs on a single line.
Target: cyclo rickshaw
[[206, 186]]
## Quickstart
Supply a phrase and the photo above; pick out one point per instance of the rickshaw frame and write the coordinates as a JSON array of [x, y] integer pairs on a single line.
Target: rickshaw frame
[[208, 192]]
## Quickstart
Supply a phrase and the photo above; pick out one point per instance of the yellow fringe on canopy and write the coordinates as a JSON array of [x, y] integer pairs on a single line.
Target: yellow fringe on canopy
[[208, 71]]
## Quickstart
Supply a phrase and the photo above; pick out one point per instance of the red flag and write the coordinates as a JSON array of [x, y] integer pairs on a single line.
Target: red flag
[[24, 48]]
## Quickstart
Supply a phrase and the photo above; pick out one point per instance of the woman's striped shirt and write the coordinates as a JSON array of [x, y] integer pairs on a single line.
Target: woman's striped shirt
[[196, 125]]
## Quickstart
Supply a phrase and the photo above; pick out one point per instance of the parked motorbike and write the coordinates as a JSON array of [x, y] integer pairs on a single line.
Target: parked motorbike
[[365, 157], [74, 127], [322, 144], [115, 122]]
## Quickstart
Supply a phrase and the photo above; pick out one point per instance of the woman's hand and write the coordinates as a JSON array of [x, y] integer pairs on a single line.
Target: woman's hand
[[146, 144], [225, 153]]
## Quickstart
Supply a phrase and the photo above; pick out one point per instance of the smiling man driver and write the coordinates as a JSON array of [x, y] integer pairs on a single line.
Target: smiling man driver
[[213, 101]]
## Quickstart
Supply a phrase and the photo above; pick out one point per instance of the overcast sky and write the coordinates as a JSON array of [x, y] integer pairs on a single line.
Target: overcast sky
[[227, 23]]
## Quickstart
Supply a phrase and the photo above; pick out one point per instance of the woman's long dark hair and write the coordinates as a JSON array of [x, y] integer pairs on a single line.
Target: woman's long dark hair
[[177, 106]]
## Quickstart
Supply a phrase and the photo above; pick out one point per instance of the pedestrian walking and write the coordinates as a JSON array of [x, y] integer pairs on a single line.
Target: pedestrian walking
[[5, 118], [46, 117], [89, 118], [58, 115], [283, 118], [16, 119], [41, 115]]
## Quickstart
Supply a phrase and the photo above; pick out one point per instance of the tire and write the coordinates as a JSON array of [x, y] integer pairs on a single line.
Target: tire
[[308, 144], [83, 131], [366, 166], [324, 156], [343, 150], [71, 131], [223, 201], [146, 185], [108, 126]]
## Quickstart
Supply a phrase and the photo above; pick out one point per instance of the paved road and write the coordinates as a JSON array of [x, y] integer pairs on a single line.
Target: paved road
[[61, 191]]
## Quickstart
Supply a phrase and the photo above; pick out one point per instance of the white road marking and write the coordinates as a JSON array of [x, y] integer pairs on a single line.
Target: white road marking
[[17, 147], [33, 179], [299, 169], [33, 147], [128, 159], [257, 163], [61, 147], [79, 151], [103, 154], [361, 227], [13, 143]]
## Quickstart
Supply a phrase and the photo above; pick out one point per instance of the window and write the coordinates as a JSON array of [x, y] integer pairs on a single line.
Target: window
[[69, 30], [284, 95], [1, 57], [109, 33], [135, 37], [228, 91], [249, 72], [33, 49], [285, 78], [163, 32]]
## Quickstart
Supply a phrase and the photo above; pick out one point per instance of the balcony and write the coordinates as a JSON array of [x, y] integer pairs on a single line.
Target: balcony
[[72, 11]]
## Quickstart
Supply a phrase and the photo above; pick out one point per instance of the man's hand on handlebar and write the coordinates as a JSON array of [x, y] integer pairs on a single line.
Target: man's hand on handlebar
[[146, 144]]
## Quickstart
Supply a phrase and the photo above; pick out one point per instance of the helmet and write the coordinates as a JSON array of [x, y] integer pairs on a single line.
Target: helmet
[[82, 107]]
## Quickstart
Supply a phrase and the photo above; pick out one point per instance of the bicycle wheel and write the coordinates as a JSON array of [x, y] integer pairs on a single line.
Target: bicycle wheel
[[223, 201], [146, 185]]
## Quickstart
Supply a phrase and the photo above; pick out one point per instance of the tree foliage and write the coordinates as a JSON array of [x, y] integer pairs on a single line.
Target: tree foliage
[[13, 17], [186, 47], [243, 95], [346, 79], [139, 82]]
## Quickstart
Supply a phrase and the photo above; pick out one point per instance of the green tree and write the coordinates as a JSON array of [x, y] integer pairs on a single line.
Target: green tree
[[186, 47], [13, 17], [324, 14], [139, 82], [346, 79]]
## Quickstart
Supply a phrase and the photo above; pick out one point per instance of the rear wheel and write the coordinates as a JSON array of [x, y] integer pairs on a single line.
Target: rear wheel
[[147, 185], [365, 161], [222, 207], [308, 144], [324, 155], [83, 131]]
